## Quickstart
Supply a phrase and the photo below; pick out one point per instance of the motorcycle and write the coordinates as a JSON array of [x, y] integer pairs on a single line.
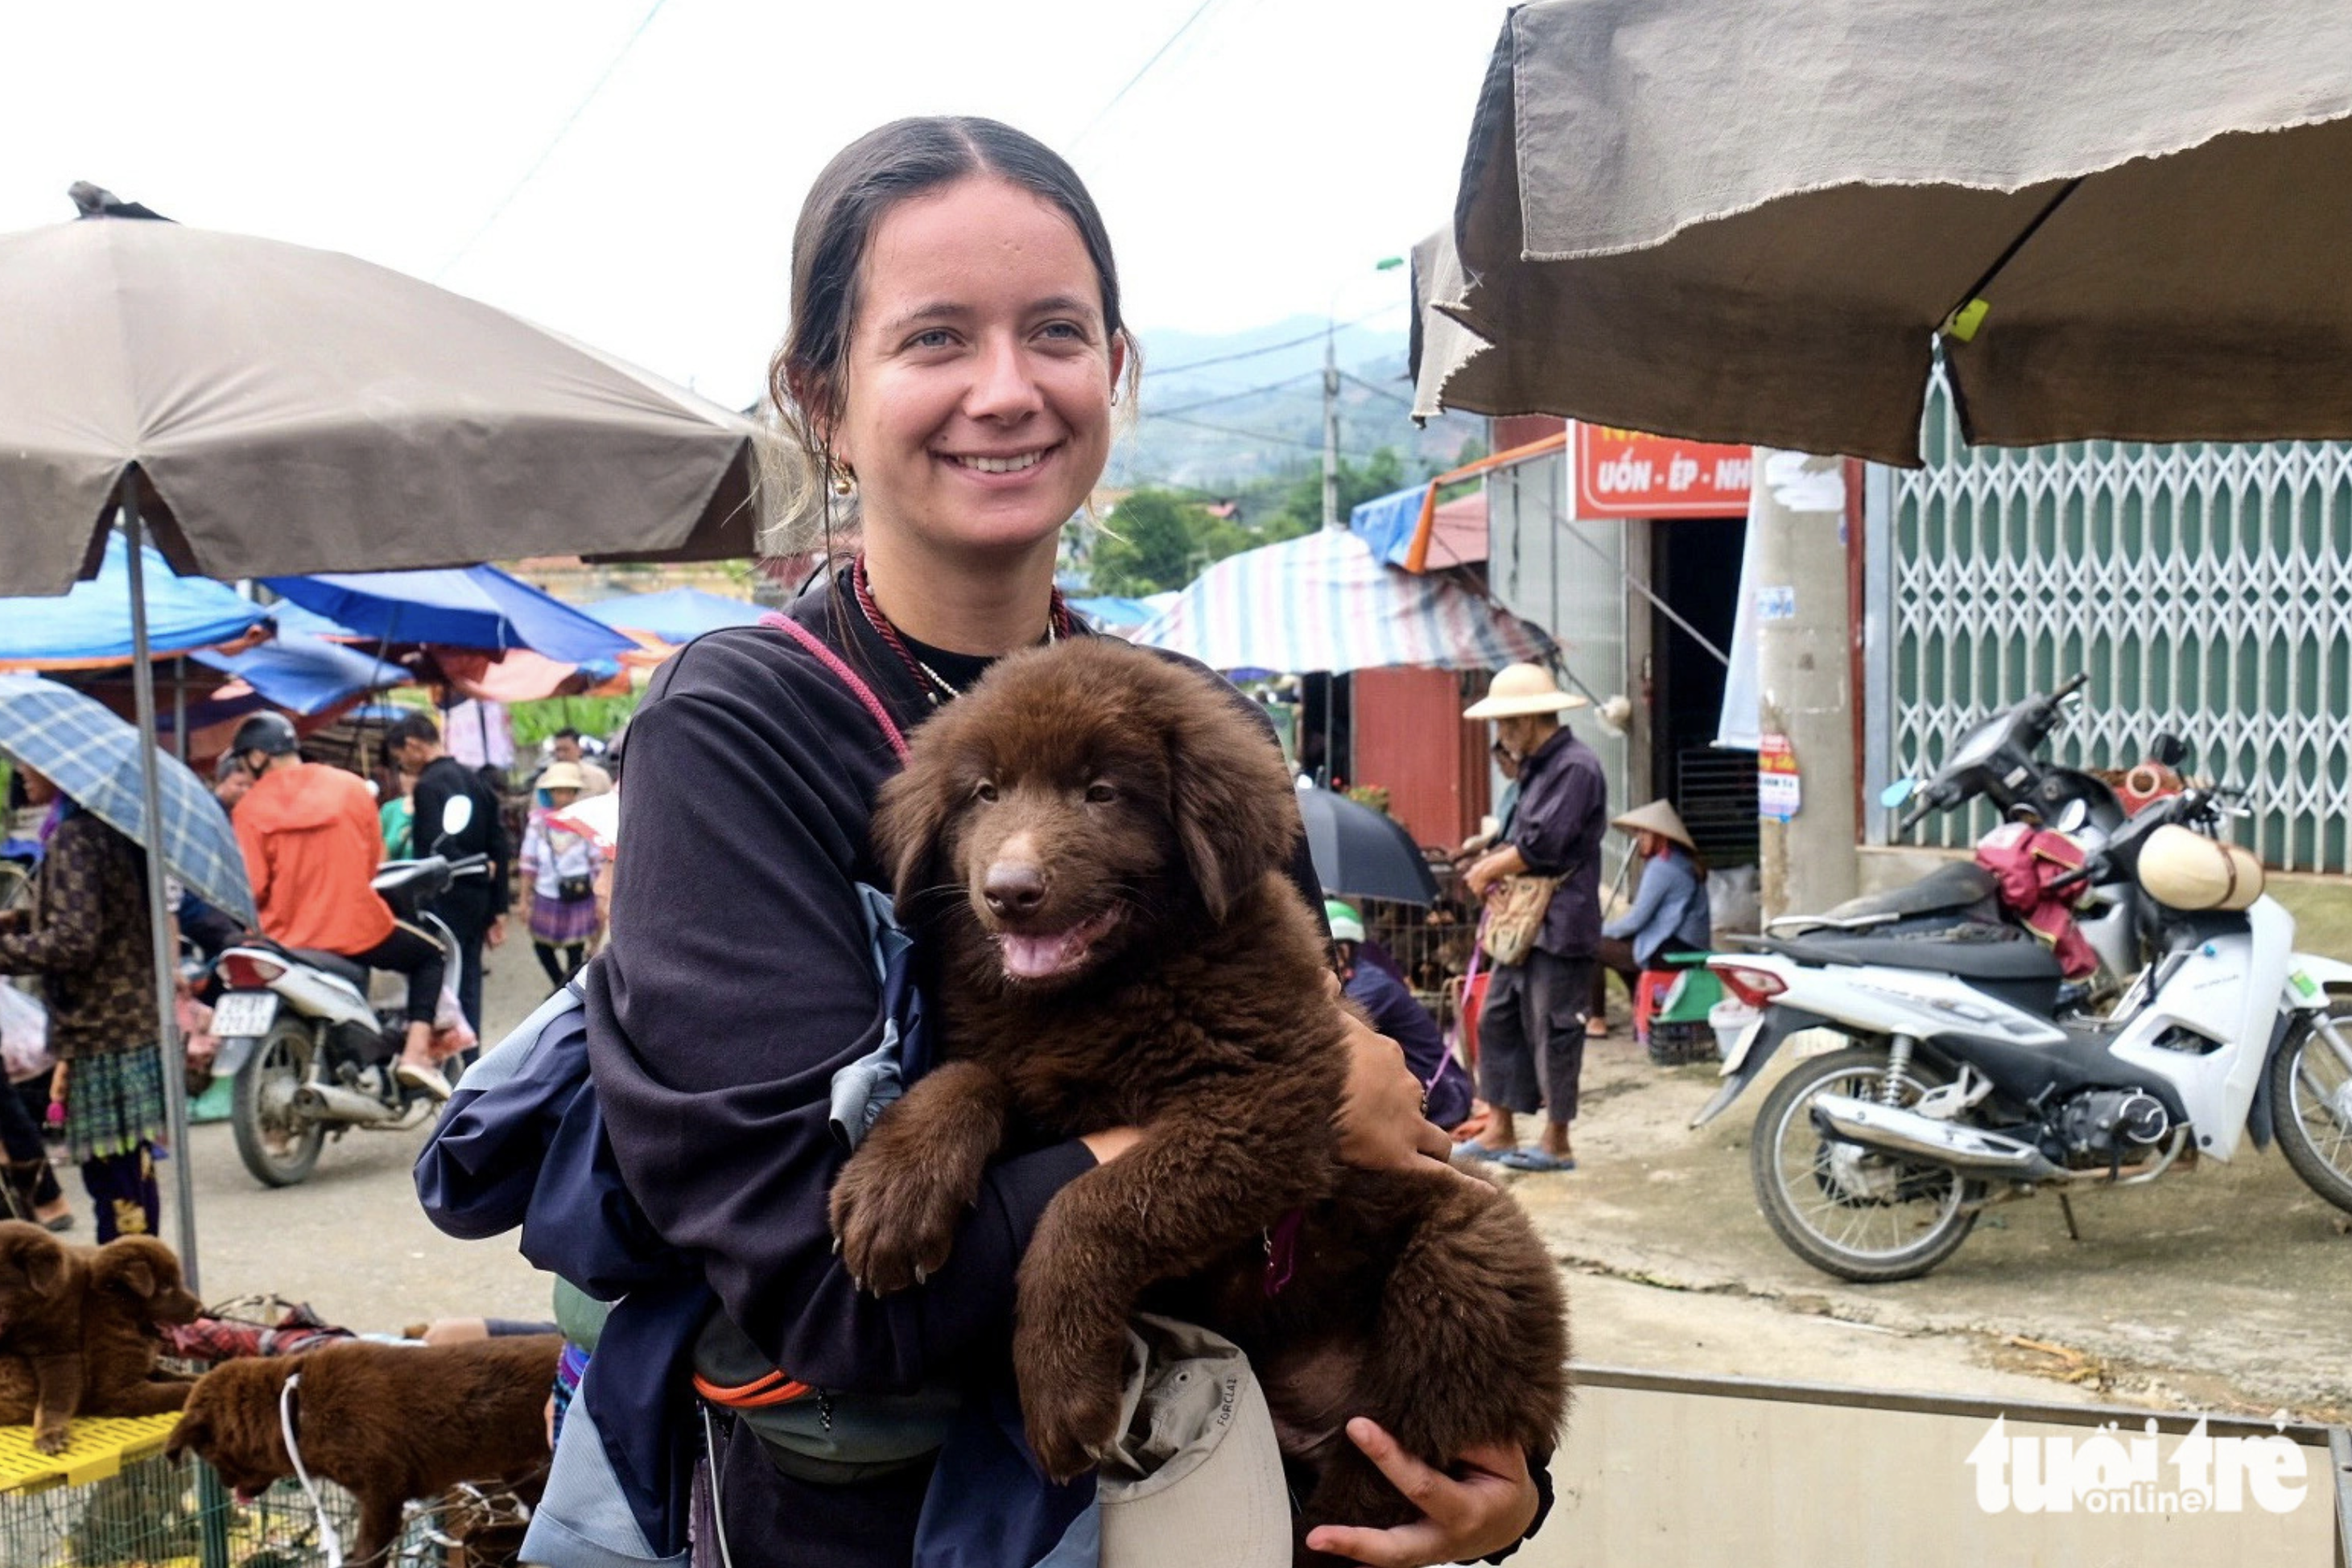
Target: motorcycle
[[1962, 1082], [309, 1047]]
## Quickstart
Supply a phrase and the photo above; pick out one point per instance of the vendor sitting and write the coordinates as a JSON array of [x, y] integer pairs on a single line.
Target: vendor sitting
[[1373, 985], [1669, 913]]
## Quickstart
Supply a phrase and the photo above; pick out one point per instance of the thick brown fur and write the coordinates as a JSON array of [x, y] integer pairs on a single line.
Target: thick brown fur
[[44, 1291], [1093, 785], [133, 1289], [389, 1423]]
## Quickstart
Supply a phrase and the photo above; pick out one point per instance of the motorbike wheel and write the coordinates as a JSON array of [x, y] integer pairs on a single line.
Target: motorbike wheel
[[1847, 1211], [2311, 1099], [277, 1144]]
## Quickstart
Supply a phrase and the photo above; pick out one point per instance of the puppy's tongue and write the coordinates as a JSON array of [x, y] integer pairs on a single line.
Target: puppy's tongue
[[1058, 953]]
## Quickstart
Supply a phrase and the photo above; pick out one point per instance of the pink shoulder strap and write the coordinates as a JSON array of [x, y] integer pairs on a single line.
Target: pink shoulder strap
[[848, 677]]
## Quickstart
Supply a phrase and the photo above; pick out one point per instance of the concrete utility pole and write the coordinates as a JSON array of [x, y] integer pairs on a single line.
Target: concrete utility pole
[[1332, 429], [1804, 681]]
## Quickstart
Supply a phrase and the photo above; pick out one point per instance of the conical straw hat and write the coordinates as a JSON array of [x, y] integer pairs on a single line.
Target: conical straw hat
[[1522, 689], [1659, 817]]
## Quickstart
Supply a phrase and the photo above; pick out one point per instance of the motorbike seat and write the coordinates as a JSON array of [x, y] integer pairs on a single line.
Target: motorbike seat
[[1997, 953], [1957, 885], [334, 963]]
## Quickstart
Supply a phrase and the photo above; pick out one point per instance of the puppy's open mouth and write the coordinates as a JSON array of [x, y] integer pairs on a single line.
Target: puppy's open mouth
[[1048, 956]]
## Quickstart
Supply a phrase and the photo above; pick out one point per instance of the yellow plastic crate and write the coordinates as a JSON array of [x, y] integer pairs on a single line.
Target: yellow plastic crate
[[101, 1445]]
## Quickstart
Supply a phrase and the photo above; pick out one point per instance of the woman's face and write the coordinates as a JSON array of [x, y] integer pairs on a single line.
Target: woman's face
[[38, 791], [563, 797], [977, 414]]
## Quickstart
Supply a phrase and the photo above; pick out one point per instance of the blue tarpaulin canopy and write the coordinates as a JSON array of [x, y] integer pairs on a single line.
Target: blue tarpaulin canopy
[[1116, 614], [675, 615], [91, 625], [467, 607], [306, 675]]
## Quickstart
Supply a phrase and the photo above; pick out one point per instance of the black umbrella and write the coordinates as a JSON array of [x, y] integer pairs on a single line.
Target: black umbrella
[[1364, 853]]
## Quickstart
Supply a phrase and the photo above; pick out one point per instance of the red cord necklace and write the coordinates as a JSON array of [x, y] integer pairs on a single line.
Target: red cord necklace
[[938, 687]]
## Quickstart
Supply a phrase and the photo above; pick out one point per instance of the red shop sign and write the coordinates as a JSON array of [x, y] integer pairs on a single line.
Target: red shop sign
[[1625, 473]]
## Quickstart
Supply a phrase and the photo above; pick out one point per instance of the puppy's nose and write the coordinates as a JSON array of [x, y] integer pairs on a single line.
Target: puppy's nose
[[1013, 887]]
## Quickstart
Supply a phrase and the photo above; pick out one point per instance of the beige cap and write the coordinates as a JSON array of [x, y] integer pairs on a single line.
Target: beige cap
[[2183, 870], [1659, 817], [1196, 1477], [1521, 688], [563, 775]]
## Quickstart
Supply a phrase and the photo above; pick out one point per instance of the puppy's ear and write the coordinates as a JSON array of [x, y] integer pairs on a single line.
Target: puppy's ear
[[45, 1266], [1236, 815], [193, 1432], [911, 818], [137, 1276]]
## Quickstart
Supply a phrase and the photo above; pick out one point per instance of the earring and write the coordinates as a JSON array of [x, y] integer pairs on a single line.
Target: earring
[[1114, 394], [845, 481]]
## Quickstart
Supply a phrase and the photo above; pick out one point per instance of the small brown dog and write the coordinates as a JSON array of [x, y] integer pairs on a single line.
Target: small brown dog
[[134, 1288], [388, 1423], [43, 1289], [1091, 842]]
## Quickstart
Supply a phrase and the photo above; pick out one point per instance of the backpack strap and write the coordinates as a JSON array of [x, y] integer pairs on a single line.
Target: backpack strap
[[848, 677]]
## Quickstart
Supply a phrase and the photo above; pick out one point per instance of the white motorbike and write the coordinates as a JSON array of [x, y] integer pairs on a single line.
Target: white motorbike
[[1962, 1081], [309, 1038]]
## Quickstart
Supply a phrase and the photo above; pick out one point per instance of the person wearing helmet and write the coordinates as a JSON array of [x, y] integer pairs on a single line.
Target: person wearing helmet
[[1369, 977], [312, 842]]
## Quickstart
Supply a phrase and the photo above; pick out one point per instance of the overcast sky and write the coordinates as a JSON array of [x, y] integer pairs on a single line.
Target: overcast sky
[[1272, 155]]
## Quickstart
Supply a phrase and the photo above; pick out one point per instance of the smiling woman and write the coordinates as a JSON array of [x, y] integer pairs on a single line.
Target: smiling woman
[[955, 350]]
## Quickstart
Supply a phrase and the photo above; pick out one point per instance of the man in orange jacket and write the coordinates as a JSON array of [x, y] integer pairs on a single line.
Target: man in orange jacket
[[313, 841]]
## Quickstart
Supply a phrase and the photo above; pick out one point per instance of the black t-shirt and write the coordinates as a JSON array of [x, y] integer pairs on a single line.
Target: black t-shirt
[[444, 779]]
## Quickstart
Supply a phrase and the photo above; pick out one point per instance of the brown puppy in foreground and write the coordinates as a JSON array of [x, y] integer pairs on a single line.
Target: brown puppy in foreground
[[1092, 844], [44, 1288], [388, 1423], [134, 1288]]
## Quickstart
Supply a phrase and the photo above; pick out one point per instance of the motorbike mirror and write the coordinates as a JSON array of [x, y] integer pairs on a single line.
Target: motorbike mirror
[[2170, 750], [456, 816], [1898, 792]]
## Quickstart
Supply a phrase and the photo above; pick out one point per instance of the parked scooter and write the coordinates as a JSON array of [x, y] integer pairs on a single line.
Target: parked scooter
[[1961, 1084], [310, 1053]]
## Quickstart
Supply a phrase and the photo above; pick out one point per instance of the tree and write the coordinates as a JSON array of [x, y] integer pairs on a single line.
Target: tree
[[1156, 540], [1301, 511]]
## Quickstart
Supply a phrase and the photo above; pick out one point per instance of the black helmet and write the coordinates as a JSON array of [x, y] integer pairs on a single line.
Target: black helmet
[[272, 733]]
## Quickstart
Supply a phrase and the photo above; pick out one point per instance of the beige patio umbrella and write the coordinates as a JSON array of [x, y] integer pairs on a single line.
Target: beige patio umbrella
[[1759, 221], [269, 410]]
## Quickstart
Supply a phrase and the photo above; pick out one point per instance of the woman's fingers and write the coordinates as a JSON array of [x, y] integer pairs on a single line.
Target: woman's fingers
[[1483, 1509]]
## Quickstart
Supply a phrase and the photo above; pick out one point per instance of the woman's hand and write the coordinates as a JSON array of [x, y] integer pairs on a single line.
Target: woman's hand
[[1111, 1142], [1380, 1124], [1486, 1505]]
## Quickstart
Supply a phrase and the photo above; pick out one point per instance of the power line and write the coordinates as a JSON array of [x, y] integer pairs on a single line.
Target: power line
[[1377, 390], [1231, 396], [548, 151], [1313, 337], [1182, 28], [1266, 436]]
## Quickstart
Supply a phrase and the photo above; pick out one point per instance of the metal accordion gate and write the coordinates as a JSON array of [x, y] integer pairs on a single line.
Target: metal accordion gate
[[2206, 590]]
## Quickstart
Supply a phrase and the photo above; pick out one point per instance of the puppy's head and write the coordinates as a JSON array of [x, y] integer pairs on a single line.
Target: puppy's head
[[231, 1423], [144, 1275], [1080, 799], [35, 1271]]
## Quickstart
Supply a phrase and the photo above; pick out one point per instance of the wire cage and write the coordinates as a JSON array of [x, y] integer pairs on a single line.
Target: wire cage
[[1431, 943], [155, 1511]]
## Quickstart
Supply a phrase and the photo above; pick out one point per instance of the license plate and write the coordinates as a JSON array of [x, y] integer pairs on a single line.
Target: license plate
[[244, 1013]]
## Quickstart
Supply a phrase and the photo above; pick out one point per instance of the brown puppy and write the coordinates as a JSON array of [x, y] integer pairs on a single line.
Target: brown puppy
[[133, 1287], [44, 1288], [388, 1423], [1091, 843]]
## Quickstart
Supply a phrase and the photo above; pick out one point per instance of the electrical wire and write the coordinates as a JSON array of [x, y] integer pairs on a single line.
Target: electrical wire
[[1145, 70], [1266, 436], [548, 151], [1231, 396], [1377, 391], [1315, 336]]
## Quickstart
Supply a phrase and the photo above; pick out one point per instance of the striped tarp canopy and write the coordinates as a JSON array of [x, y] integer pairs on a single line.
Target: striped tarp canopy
[[1325, 603]]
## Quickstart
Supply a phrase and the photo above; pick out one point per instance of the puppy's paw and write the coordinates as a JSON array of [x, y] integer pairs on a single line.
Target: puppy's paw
[[893, 1228], [1070, 1397], [53, 1441]]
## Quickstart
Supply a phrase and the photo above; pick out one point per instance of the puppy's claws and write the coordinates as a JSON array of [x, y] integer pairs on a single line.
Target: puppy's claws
[[836, 1246], [921, 1274]]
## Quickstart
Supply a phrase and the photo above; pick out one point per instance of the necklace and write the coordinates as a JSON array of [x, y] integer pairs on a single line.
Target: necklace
[[937, 687]]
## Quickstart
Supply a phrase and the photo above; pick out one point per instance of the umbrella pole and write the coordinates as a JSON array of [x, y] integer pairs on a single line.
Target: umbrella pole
[[159, 918]]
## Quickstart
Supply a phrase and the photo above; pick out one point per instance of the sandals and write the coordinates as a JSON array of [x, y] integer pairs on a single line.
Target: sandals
[[424, 1080], [1535, 1160]]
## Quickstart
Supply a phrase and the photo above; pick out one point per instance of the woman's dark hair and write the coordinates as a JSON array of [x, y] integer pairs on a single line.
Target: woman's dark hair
[[865, 179]]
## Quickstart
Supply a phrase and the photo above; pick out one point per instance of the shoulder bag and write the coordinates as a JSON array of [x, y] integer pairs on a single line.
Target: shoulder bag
[[1515, 917]]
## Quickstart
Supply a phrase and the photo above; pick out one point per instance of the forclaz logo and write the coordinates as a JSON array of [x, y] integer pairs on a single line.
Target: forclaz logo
[[2106, 1473]]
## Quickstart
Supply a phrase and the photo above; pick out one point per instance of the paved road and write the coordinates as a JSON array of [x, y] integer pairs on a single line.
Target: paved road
[[2222, 1289]]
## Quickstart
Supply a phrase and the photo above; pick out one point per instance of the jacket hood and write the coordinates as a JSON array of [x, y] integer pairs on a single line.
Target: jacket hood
[[293, 799]]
